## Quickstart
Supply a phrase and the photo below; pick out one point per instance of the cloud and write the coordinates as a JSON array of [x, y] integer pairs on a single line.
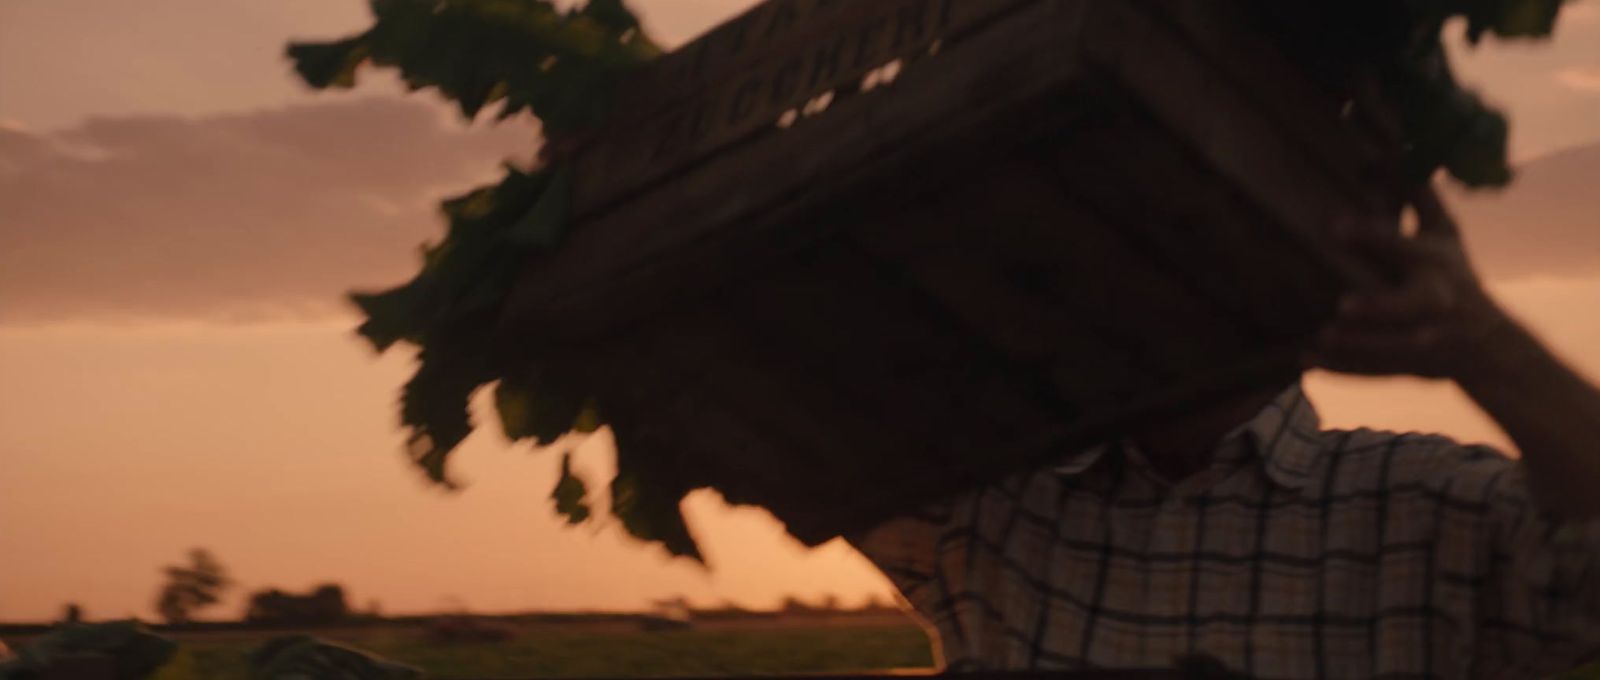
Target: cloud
[[1580, 78], [674, 22], [1586, 12], [241, 216]]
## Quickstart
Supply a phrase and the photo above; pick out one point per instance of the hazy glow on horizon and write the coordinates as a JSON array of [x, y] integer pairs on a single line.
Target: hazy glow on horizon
[[199, 420]]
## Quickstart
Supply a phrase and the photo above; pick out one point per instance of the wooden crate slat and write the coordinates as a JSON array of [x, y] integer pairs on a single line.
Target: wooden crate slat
[[1129, 211], [944, 246], [776, 57], [834, 316], [771, 394], [1165, 193], [1225, 36], [1094, 275], [1241, 142]]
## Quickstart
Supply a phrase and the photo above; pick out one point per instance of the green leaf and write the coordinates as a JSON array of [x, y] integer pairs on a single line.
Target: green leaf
[[514, 403], [434, 404], [542, 409], [648, 491], [1479, 159], [589, 419], [477, 52], [1527, 18], [330, 64], [570, 494], [546, 223], [390, 316], [652, 514], [612, 14]]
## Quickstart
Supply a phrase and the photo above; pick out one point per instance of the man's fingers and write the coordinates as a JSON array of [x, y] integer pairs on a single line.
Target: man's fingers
[[1408, 325], [1363, 366], [1420, 299], [1345, 340], [1432, 216], [1392, 257], [1370, 366], [1390, 251], [1367, 351]]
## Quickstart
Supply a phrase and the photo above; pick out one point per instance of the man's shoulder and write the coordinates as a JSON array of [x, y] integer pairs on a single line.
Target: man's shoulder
[[1399, 460]]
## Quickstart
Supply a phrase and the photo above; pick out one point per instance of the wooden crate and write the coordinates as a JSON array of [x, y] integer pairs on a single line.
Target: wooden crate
[[853, 255]]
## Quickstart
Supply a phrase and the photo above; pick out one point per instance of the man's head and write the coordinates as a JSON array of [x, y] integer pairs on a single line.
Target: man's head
[[1182, 444]]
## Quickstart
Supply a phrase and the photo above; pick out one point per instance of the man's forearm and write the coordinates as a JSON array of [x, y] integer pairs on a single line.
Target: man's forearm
[[1551, 412]]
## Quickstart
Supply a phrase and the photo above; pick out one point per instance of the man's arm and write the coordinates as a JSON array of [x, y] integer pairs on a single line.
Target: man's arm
[[1438, 321], [1550, 412]]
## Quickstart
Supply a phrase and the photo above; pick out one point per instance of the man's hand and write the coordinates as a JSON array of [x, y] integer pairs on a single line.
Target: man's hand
[[1435, 320]]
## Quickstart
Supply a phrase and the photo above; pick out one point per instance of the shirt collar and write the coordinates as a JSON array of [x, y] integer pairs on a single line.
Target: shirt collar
[[1284, 436], [1082, 461]]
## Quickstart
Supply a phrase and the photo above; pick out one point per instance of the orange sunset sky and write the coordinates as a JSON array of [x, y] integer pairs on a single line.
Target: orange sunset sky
[[178, 220]]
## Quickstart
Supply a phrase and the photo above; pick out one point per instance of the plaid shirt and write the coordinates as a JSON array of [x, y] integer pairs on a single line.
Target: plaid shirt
[[1298, 553]]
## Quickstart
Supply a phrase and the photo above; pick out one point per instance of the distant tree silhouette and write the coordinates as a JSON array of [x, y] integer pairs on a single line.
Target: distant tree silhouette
[[794, 605], [874, 603], [196, 585], [72, 613], [671, 605], [731, 608], [326, 604]]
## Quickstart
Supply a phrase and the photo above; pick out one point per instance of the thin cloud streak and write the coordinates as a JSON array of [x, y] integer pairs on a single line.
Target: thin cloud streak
[[1544, 225], [1584, 79], [251, 216], [274, 215]]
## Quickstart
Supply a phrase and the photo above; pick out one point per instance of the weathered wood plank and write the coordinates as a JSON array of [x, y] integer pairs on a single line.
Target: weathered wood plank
[[1239, 141], [777, 57], [887, 351], [1230, 39], [771, 393], [953, 250], [1167, 197], [1043, 278], [1071, 258]]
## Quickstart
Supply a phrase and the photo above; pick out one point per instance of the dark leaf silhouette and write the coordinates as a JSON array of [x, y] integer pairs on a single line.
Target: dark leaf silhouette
[[571, 494]]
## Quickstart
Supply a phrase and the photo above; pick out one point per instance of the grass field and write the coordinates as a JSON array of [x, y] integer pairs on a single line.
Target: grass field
[[555, 653], [609, 652]]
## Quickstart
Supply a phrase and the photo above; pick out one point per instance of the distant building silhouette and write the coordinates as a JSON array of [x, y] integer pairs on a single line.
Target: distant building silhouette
[[326, 604]]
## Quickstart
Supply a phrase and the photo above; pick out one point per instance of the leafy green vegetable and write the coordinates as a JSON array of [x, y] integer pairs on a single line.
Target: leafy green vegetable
[[652, 480], [525, 56], [528, 56], [540, 410]]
